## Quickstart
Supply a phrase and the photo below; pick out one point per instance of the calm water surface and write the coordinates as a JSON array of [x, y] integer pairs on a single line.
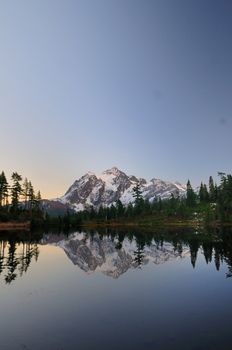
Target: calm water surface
[[116, 290]]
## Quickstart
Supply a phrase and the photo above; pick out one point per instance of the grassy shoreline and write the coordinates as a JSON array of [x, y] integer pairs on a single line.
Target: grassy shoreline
[[14, 225], [149, 224], [144, 224], [141, 224]]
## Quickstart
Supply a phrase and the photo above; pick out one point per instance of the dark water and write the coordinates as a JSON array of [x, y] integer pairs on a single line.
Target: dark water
[[116, 290]]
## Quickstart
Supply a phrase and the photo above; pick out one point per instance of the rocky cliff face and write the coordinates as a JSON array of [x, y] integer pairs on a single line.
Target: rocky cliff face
[[95, 254], [113, 184]]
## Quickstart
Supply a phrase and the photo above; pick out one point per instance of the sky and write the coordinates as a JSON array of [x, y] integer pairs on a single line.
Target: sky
[[144, 85]]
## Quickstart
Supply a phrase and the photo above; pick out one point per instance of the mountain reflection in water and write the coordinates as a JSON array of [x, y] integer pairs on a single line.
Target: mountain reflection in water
[[114, 253], [112, 256], [112, 289]]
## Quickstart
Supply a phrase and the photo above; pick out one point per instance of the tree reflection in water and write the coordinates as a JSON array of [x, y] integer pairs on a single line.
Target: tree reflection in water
[[215, 245], [119, 249], [113, 252], [16, 257]]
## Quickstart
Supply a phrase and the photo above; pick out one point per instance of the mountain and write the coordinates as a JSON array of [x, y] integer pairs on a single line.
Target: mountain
[[101, 254], [112, 185], [56, 208]]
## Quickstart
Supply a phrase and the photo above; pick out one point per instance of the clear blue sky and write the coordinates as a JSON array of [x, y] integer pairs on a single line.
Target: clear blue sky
[[145, 85]]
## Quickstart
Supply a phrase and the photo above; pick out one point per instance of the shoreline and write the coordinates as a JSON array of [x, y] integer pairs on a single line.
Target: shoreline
[[143, 225], [115, 224], [188, 224], [11, 225]]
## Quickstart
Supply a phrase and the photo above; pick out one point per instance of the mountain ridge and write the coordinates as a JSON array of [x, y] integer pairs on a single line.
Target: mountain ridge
[[104, 189]]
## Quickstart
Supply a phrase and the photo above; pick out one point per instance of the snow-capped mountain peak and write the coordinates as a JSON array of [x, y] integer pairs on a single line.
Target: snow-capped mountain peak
[[113, 184], [113, 171]]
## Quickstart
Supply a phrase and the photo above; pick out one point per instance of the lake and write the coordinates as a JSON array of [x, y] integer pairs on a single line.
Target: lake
[[116, 290]]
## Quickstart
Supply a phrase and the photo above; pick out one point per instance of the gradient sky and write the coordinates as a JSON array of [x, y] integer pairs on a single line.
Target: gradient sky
[[144, 85]]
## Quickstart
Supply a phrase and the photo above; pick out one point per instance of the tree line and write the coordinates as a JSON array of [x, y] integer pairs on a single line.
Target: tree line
[[18, 199]]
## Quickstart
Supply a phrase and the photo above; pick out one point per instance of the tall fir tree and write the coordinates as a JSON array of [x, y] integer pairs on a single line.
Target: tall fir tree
[[137, 193], [212, 191], [25, 189], [3, 189], [31, 195], [16, 189], [203, 193], [190, 196], [139, 201], [119, 208]]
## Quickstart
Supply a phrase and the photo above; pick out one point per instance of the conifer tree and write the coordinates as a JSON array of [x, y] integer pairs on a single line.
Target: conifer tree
[[206, 193], [201, 193], [137, 194], [119, 208], [3, 189], [224, 200], [129, 210], [25, 189], [211, 189], [38, 197], [191, 196], [31, 195], [16, 189]]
